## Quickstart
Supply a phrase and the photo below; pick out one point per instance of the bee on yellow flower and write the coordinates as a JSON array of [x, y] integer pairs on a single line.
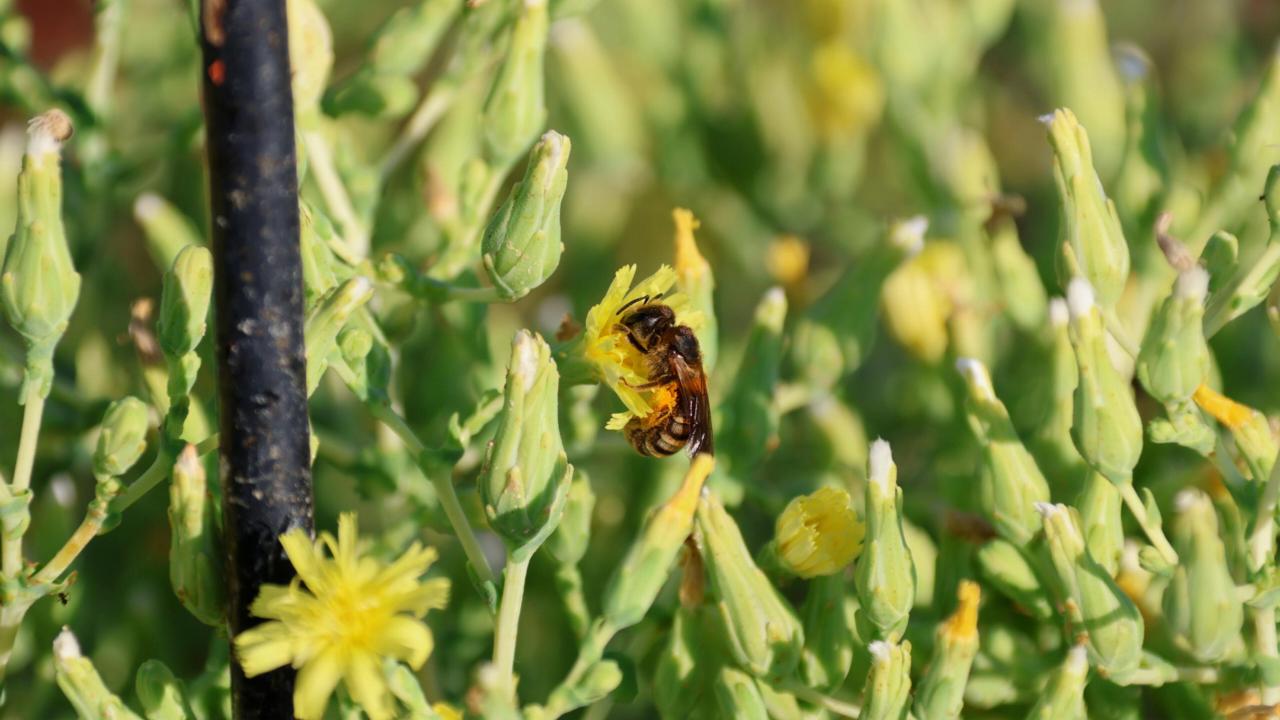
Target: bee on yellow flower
[[819, 534], [617, 362], [340, 618]]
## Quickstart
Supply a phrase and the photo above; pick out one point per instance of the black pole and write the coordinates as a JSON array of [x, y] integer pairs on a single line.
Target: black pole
[[253, 189]]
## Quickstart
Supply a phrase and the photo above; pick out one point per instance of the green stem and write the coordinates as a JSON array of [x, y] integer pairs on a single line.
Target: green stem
[[33, 411], [1262, 540], [444, 489], [1154, 533], [10, 620], [508, 626], [1118, 332], [336, 199], [430, 110], [562, 699], [813, 697], [75, 544], [157, 472], [1264, 638]]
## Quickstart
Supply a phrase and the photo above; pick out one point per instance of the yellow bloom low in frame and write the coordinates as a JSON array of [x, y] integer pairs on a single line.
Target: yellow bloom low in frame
[[340, 618], [819, 534]]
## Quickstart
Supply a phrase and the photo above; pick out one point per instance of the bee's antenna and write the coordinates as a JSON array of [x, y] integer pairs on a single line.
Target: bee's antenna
[[642, 299]]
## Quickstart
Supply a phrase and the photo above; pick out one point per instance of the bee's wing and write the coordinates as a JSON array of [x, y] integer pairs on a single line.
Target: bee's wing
[[694, 403]]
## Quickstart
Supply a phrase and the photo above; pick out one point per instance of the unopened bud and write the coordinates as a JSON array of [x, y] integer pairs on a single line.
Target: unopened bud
[[738, 695], [569, 542], [1201, 604], [194, 548], [750, 417], [38, 284], [1100, 521], [886, 574], [941, 692], [763, 632], [526, 475], [310, 54], [184, 301], [643, 571], [1106, 428], [1248, 427], [522, 243], [161, 694], [1011, 482], [1063, 699], [123, 437], [1175, 359], [888, 689], [1108, 619], [82, 684], [696, 280], [1007, 569], [1091, 233]]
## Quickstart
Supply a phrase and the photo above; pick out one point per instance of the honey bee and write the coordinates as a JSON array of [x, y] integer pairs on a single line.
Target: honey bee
[[683, 420]]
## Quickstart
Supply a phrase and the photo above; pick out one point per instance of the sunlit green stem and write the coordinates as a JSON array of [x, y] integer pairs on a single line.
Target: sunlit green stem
[[835, 706], [336, 199], [157, 472], [430, 110], [443, 485], [508, 626], [10, 620], [32, 412], [1262, 554], [75, 544]]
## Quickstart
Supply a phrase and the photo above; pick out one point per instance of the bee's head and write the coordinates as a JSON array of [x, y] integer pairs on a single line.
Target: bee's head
[[646, 322]]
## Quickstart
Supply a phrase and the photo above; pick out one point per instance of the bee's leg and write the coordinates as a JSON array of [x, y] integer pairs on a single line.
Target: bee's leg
[[645, 386], [631, 338]]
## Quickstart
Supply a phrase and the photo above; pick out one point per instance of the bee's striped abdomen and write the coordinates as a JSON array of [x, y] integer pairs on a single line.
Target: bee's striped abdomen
[[666, 437]]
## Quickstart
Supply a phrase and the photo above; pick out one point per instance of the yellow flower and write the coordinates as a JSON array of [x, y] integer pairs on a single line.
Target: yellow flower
[[617, 362], [819, 534], [352, 613]]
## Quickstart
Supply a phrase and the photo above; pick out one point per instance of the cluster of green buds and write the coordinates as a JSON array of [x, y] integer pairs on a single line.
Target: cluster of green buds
[[194, 546], [39, 285], [184, 309]]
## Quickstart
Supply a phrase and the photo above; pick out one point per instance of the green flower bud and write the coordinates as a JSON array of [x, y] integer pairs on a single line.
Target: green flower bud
[[310, 55], [749, 415], [916, 308], [526, 474], [833, 340], [123, 437], [1063, 699], [637, 581], [161, 694], [38, 284], [764, 636], [1220, 258], [1174, 359], [829, 632], [1007, 569], [165, 228], [1092, 238], [1185, 426], [327, 320], [569, 542], [886, 574], [1095, 606], [522, 244], [184, 301], [1200, 603], [941, 693], [1106, 428], [695, 279], [1100, 521], [81, 683], [887, 693], [1011, 482], [1021, 290], [194, 549], [515, 111], [739, 696], [15, 513], [373, 95]]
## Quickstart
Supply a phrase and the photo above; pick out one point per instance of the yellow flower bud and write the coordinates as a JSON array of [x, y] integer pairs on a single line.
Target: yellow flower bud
[[819, 534]]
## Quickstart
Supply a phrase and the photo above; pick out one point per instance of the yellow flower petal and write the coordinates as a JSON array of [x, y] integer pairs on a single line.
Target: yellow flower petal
[[264, 648], [316, 681], [407, 639], [367, 685]]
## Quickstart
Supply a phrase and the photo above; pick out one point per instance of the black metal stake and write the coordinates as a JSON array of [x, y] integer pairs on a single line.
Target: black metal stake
[[253, 188]]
